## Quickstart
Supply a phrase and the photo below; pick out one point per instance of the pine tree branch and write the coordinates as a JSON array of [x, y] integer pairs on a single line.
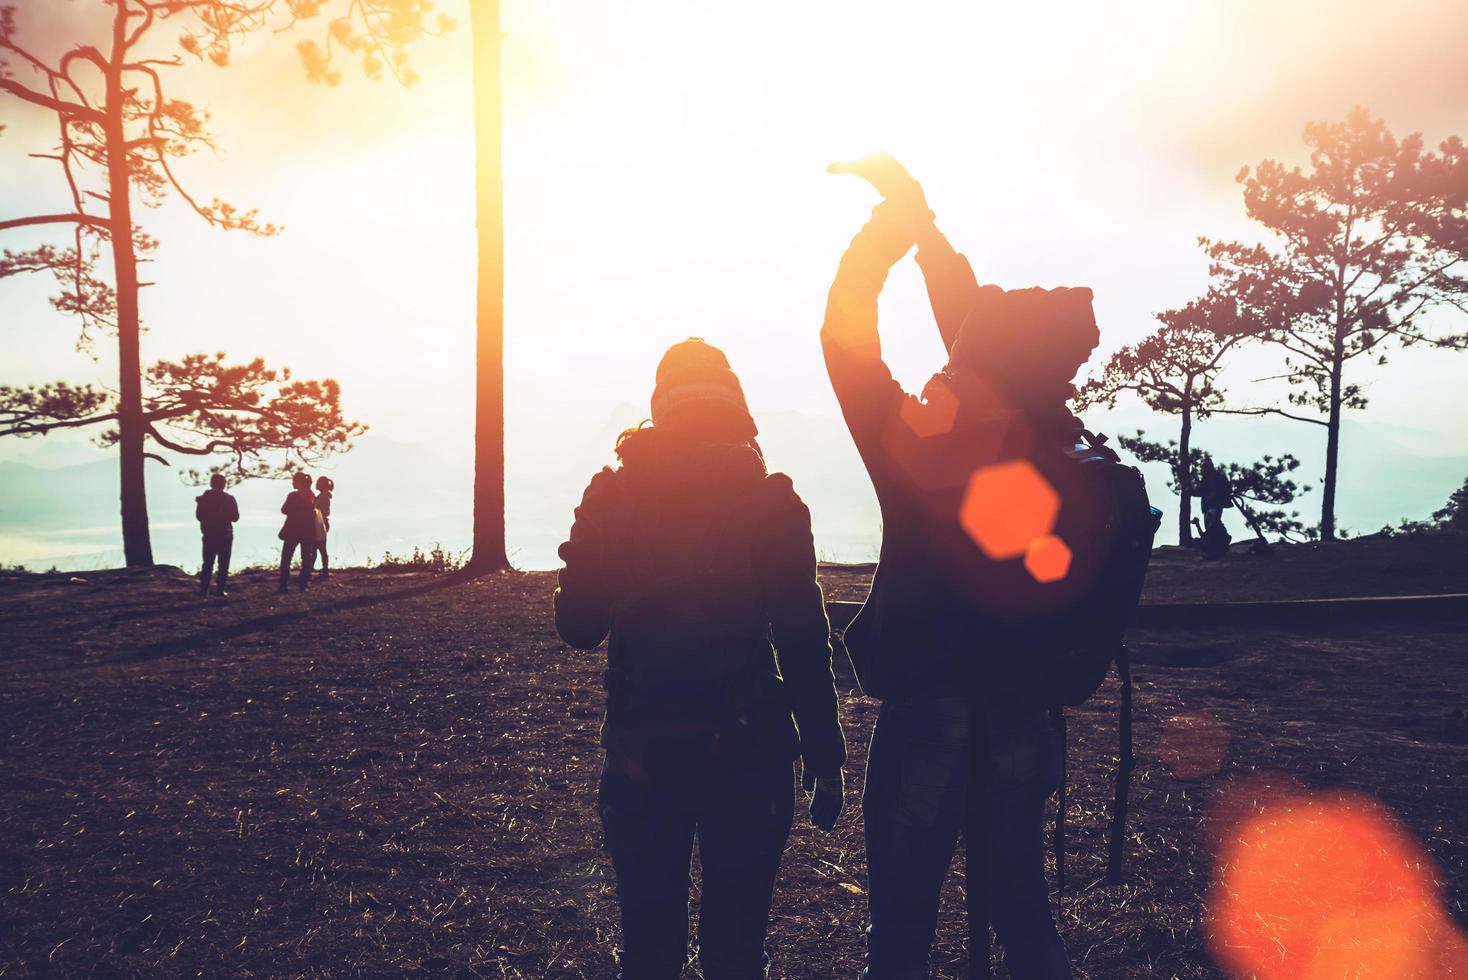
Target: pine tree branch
[[1268, 411], [24, 427], [203, 450], [60, 106], [56, 219], [147, 13]]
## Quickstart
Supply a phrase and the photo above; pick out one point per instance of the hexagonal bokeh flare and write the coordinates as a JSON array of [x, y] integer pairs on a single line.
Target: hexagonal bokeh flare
[[1047, 559], [1006, 507]]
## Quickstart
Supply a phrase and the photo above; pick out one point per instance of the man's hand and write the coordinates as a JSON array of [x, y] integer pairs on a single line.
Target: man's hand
[[826, 793], [892, 181]]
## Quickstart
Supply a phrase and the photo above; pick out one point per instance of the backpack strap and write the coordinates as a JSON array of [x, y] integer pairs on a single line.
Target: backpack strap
[[1095, 444], [1124, 765]]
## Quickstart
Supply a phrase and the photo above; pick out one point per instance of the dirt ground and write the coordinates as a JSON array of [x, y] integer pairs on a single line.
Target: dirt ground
[[394, 774]]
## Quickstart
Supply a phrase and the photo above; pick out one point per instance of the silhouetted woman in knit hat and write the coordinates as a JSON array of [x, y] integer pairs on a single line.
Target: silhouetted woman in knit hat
[[699, 567]]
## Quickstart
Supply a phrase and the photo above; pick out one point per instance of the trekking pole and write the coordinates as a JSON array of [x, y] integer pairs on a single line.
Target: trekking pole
[[1057, 717], [1123, 770]]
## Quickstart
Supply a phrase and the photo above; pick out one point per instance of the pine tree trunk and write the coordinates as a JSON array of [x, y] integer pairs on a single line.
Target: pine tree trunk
[[489, 416], [137, 547], [1184, 475], [1332, 448]]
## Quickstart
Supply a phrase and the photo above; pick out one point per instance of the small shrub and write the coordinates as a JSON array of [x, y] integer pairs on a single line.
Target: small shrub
[[434, 560]]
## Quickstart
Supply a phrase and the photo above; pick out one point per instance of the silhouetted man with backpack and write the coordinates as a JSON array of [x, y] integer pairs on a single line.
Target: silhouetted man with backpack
[[1000, 592], [216, 512]]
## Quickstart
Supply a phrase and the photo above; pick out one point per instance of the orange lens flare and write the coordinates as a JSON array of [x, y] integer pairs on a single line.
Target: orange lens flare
[[1312, 889], [1007, 507]]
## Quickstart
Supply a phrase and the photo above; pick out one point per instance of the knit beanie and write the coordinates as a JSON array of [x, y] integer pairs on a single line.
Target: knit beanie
[[694, 380], [1032, 341]]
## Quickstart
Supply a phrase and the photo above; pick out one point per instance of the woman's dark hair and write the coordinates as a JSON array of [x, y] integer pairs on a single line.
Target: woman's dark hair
[[325, 483], [216, 482], [642, 442], [301, 481]]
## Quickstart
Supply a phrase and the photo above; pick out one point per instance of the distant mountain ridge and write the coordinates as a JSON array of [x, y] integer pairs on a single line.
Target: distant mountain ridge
[[393, 495]]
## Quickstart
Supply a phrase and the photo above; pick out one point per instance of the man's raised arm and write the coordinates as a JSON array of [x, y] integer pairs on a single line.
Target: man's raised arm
[[952, 285], [863, 383]]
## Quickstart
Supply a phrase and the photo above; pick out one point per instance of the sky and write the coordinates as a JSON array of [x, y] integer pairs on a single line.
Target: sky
[[665, 177]]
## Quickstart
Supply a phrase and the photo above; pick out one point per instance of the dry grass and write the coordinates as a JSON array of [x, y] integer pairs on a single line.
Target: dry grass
[[394, 774]]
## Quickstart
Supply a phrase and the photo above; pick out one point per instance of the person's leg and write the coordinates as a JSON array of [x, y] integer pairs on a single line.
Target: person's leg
[[913, 805], [225, 547], [742, 830], [325, 558], [1024, 752], [206, 569], [308, 558], [1215, 541], [287, 549], [649, 834]]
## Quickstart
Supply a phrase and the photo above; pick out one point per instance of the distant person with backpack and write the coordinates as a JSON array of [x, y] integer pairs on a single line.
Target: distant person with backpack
[[324, 487], [298, 532], [1217, 495], [699, 568], [998, 595], [216, 512]]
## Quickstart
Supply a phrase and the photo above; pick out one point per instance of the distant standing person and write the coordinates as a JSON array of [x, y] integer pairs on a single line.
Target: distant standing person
[[216, 512], [324, 487], [1217, 494], [699, 566], [299, 531]]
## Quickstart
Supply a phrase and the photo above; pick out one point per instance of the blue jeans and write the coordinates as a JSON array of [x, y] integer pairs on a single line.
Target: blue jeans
[[919, 774], [741, 819]]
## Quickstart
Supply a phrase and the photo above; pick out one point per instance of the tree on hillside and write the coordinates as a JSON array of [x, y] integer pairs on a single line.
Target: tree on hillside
[[1367, 244], [119, 130], [1174, 371], [488, 554], [1454, 513], [1266, 487]]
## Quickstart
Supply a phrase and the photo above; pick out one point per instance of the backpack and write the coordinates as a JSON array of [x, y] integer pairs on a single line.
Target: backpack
[[1053, 639]]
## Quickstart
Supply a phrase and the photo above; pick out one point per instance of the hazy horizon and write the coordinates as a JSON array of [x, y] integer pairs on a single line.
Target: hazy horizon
[[393, 496]]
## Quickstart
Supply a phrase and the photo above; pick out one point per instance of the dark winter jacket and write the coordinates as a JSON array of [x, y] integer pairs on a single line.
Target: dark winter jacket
[[216, 512], [937, 605], [699, 566], [300, 516]]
